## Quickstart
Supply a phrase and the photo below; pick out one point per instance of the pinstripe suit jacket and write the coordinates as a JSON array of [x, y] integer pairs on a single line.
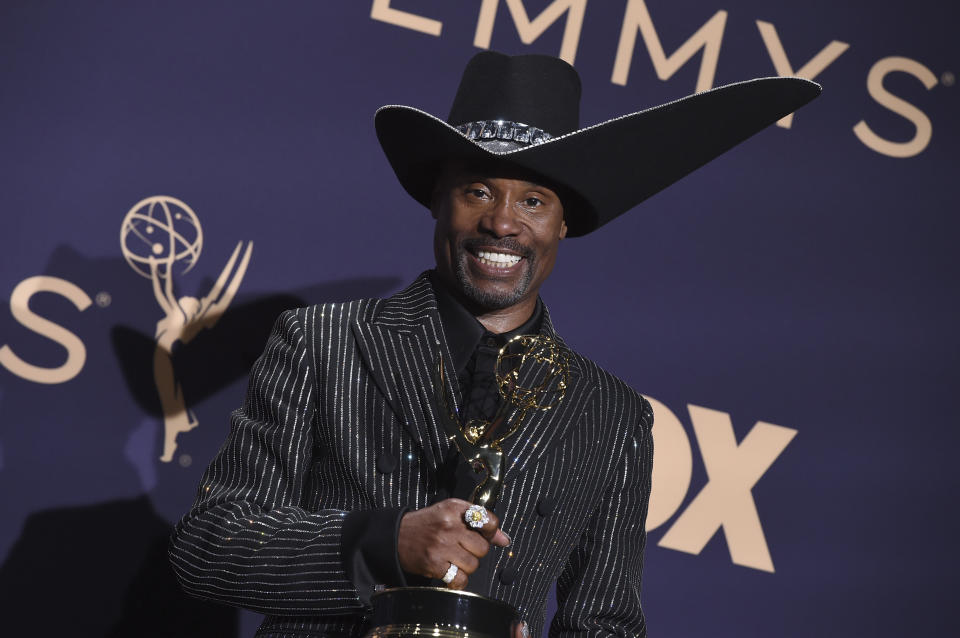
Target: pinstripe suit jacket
[[339, 384]]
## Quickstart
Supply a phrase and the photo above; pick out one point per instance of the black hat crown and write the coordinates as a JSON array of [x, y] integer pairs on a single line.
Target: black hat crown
[[535, 90]]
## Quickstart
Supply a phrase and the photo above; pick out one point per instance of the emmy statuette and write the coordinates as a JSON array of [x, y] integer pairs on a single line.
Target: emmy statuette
[[532, 373]]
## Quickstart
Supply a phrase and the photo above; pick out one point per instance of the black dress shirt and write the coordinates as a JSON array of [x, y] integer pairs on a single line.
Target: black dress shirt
[[474, 350]]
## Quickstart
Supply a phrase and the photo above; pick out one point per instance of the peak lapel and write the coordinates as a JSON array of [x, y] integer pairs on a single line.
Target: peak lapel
[[400, 345]]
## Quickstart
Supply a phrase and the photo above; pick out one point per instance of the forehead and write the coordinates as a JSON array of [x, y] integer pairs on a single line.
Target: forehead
[[455, 172]]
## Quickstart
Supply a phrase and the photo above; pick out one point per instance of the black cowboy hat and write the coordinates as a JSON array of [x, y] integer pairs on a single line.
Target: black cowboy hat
[[522, 113]]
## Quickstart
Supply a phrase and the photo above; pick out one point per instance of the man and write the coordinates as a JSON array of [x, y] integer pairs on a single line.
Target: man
[[337, 475]]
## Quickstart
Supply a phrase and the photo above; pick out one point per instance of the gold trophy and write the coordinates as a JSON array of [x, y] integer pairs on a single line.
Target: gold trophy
[[532, 373]]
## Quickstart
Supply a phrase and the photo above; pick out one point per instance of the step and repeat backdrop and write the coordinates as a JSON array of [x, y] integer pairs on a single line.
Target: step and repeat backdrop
[[791, 309]]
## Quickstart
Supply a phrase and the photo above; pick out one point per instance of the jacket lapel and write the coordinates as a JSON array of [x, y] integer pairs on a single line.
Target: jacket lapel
[[399, 345]]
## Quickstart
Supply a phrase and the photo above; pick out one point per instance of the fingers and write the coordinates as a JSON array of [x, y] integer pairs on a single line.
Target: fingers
[[440, 556], [492, 532], [474, 543], [459, 581], [520, 629], [500, 539], [466, 564], [432, 538], [479, 544], [490, 528], [467, 561]]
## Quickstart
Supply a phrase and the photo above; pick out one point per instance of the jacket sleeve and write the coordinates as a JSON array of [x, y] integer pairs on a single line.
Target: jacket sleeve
[[247, 540], [598, 592]]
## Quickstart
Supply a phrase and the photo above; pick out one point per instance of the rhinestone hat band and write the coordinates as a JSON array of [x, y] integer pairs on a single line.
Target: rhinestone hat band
[[504, 130]]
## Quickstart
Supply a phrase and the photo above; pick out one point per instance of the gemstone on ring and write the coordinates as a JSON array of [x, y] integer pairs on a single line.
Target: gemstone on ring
[[451, 574], [476, 516]]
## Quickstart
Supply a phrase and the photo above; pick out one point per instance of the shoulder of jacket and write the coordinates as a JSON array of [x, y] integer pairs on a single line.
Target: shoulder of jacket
[[337, 312], [614, 388]]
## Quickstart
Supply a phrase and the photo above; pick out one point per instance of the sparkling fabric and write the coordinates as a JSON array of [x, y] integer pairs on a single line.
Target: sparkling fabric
[[340, 383]]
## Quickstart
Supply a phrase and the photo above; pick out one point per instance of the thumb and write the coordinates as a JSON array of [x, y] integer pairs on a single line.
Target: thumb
[[500, 538]]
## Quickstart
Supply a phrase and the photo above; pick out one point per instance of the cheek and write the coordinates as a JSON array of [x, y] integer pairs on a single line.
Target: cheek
[[444, 242], [549, 239], [547, 257], [549, 246]]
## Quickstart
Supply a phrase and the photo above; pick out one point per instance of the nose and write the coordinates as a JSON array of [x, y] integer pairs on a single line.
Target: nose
[[500, 220]]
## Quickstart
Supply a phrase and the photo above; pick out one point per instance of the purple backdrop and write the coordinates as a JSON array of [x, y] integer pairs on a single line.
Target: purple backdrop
[[791, 307]]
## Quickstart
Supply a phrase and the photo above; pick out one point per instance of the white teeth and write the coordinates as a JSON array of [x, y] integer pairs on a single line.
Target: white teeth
[[497, 259]]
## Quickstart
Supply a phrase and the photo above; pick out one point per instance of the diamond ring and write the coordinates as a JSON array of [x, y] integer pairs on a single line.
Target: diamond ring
[[451, 574], [476, 516]]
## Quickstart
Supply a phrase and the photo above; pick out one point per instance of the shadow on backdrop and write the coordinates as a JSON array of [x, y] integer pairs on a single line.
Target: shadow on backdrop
[[218, 357], [84, 543], [102, 571]]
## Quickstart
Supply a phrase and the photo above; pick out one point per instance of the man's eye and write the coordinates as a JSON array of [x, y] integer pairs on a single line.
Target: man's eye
[[478, 192], [532, 202]]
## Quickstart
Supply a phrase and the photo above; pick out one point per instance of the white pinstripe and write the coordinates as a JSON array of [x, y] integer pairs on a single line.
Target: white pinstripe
[[338, 384]]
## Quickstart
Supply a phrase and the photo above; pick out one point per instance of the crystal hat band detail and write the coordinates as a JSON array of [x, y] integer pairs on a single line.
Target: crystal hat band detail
[[521, 134], [603, 170]]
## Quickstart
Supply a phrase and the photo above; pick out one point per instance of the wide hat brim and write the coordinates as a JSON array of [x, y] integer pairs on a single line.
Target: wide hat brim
[[609, 167]]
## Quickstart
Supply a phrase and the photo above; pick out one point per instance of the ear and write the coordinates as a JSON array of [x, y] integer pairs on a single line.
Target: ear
[[563, 229]]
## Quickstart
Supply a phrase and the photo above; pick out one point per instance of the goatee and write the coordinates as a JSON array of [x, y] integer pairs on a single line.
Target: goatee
[[492, 300]]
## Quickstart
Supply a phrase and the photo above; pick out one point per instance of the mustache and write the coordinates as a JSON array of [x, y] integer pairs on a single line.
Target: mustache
[[507, 244]]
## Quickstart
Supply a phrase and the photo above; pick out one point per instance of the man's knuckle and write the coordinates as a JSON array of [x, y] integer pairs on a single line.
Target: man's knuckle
[[448, 505]]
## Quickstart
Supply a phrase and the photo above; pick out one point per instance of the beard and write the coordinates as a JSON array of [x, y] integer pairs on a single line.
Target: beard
[[490, 299]]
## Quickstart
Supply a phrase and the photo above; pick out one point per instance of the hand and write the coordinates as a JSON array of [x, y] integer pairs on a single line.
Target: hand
[[433, 537], [520, 629]]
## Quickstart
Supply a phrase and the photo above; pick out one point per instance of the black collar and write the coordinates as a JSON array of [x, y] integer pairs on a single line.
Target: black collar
[[464, 333]]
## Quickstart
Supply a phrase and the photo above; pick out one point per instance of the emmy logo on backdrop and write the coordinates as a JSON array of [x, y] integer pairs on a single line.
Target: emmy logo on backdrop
[[161, 236]]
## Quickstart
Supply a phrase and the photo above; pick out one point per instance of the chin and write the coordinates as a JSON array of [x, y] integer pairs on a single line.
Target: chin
[[489, 296]]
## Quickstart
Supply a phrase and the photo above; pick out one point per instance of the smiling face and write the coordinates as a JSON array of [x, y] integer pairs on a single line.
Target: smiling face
[[496, 238]]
